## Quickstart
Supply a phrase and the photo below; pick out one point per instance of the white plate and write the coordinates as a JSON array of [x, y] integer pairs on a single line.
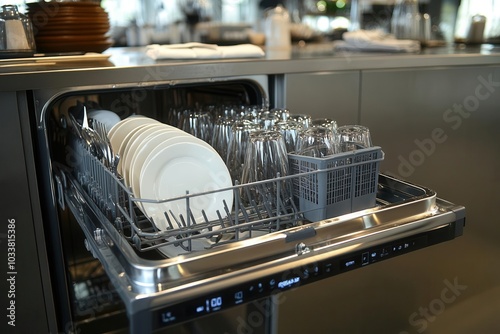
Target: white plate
[[123, 146], [153, 143], [185, 166], [118, 132], [132, 143], [106, 117]]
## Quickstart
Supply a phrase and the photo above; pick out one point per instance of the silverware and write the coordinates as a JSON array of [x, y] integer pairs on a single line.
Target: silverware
[[97, 140], [111, 158]]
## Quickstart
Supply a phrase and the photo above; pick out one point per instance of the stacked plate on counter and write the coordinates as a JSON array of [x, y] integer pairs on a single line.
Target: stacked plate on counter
[[69, 26], [159, 162]]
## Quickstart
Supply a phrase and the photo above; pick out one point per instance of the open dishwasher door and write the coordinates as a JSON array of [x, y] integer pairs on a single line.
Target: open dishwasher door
[[160, 293], [255, 250]]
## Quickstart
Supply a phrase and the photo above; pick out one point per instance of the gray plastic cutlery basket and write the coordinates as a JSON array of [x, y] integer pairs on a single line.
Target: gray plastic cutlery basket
[[337, 184]]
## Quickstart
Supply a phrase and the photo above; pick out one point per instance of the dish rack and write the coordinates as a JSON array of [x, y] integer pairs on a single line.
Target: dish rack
[[316, 197], [116, 201]]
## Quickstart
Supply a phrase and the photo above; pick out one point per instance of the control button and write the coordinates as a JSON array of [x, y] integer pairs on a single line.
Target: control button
[[168, 317], [374, 255], [365, 258], [328, 268], [238, 297], [315, 270], [397, 248], [305, 273]]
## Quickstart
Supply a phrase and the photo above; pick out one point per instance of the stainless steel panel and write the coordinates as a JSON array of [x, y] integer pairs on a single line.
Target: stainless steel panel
[[184, 278], [324, 94], [413, 294]]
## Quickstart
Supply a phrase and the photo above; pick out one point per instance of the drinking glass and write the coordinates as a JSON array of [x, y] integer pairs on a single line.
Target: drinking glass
[[282, 113], [221, 135], [301, 118], [240, 131], [198, 123], [266, 119], [353, 137], [405, 20], [290, 131], [318, 142], [265, 159], [324, 122]]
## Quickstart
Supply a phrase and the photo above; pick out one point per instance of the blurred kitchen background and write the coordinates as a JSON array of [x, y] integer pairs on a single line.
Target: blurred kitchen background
[[225, 22], [239, 21]]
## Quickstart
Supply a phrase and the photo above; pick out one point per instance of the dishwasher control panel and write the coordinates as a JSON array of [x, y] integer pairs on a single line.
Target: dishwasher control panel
[[292, 278]]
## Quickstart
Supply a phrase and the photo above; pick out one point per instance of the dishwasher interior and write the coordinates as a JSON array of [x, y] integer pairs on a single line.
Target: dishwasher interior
[[119, 269]]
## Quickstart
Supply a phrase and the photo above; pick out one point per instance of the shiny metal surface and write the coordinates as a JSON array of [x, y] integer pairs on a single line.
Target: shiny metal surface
[[404, 210], [412, 210], [132, 66]]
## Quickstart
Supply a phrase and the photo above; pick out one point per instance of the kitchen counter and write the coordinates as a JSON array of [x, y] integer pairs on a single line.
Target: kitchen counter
[[131, 65]]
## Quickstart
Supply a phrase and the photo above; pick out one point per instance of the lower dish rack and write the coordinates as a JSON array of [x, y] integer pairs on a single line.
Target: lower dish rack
[[115, 201], [119, 220]]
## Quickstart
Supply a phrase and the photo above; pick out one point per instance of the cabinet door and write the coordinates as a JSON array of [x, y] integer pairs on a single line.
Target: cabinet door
[[440, 128], [324, 94], [22, 289], [412, 115]]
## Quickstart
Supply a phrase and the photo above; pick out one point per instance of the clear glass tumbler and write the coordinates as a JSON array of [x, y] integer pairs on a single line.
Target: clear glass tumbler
[[353, 137], [290, 130], [265, 159], [240, 132], [318, 142]]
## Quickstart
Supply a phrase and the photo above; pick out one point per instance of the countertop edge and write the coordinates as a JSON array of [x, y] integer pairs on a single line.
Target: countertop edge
[[137, 68]]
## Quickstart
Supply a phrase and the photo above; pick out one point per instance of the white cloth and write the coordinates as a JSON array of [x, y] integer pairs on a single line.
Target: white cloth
[[203, 51], [375, 40]]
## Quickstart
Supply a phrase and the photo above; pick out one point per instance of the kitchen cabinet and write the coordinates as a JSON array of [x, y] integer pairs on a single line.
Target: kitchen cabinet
[[324, 94], [436, 125], [441, 125]]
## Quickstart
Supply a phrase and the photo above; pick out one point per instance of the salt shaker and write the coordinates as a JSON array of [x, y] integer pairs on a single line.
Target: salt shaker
[[16, 31]]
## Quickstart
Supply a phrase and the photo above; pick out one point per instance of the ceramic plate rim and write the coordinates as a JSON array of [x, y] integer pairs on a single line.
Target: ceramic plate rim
[[139, 139], [181, 150]]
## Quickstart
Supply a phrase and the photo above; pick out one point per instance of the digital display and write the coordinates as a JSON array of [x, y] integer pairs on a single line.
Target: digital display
[[213, 304]]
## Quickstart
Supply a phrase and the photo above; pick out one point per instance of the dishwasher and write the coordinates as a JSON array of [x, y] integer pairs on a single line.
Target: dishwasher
[[109, 272]]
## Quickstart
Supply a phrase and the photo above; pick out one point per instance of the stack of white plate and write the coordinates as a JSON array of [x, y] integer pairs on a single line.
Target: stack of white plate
[[160, 162]]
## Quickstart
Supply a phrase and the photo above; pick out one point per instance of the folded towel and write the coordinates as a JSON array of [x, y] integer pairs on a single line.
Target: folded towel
[[202, 51], [375, 40]]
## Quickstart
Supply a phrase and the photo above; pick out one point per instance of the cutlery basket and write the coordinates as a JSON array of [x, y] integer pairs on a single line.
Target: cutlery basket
[[337, 184]]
